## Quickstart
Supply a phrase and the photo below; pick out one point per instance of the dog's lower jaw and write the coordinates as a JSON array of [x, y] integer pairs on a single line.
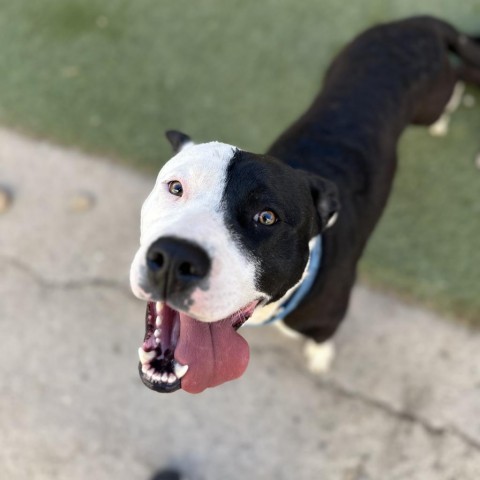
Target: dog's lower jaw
[[179, 351], [319, 356]]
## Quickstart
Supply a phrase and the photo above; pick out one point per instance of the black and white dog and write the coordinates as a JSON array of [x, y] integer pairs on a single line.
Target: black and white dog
[[229, 236]]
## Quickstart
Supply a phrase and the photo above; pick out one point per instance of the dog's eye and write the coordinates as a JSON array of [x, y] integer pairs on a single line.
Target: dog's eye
[[267, 217], [175, 188]]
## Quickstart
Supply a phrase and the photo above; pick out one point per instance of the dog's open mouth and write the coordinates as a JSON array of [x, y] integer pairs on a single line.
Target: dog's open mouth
[[181, 352]]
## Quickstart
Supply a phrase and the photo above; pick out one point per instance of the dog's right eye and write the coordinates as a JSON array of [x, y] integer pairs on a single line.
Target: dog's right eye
[[175, 188], [267, 217]]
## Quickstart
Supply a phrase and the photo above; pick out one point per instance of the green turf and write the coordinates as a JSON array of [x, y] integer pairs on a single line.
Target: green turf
[[110, 75]]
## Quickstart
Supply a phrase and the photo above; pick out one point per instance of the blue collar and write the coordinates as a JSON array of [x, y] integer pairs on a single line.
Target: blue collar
[[309, 277]]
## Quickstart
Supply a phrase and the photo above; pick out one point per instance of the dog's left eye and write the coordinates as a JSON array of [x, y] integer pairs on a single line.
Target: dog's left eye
[[267, 217], [175, 188]]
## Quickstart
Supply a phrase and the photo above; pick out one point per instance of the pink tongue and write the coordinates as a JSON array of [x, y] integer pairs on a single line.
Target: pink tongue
[[214, 352]]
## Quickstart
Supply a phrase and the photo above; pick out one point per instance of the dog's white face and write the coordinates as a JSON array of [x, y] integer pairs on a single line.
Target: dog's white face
[[224, 235], [198, 216]]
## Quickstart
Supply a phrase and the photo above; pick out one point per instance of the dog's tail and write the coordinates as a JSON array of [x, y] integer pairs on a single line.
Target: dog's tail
[[466, 47]]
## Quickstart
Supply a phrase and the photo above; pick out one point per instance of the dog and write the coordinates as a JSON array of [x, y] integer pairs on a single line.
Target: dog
[[230, 237]]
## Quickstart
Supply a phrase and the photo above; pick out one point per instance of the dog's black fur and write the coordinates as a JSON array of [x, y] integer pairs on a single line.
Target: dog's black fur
[[390, 76], [257, 182]]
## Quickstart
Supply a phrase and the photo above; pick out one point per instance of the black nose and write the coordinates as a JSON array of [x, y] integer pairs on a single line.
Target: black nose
[[176, 265]]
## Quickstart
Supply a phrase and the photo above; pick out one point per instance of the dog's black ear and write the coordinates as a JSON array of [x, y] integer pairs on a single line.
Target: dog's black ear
[[177, 139], [326, 199]]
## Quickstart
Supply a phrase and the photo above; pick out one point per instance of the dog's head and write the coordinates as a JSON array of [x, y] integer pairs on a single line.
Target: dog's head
[[224, 235]]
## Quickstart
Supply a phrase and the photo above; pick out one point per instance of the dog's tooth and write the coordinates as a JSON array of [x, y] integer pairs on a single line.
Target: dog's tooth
[[157, 333], [145, 368], [158, 307], [150, 372], [180, 370], [157, 377], [164, 377], [172, 378], [157, 341], [144, 356], [158, 321]]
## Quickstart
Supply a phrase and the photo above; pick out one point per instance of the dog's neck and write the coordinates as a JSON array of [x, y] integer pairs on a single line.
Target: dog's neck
[[275, 311]]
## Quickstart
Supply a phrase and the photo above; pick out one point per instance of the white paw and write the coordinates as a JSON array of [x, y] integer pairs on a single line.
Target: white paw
[[456, 98], [440, 127], [319, 356]]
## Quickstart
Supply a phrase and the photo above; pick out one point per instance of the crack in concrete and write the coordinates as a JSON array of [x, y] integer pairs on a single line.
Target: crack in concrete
[[472, 442], [43, 282], [401, 415], [330, 385]]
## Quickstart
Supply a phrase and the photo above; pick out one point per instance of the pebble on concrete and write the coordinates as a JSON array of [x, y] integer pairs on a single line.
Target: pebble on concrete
[[5, 199], [81, 202]]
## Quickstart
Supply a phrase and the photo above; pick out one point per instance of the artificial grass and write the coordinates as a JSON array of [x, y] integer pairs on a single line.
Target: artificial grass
[[109, 76], [426, 245]]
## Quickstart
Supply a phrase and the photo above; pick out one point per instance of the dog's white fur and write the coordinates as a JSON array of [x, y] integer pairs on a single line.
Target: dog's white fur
[[440, 127], [198, 216], [319, 356]]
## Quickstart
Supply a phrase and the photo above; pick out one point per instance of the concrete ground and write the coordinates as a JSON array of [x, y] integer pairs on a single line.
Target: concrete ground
[[402, 400]]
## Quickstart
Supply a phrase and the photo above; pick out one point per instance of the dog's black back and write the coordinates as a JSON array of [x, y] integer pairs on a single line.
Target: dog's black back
[[388, 77]]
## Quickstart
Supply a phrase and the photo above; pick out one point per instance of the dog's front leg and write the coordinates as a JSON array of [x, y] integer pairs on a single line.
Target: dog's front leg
[[319, 356]]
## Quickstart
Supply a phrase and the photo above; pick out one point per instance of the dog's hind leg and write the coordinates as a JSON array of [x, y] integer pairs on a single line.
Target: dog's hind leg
[[468, 50], [440, 127], [468, 72], [444, 94], [432, 104]]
